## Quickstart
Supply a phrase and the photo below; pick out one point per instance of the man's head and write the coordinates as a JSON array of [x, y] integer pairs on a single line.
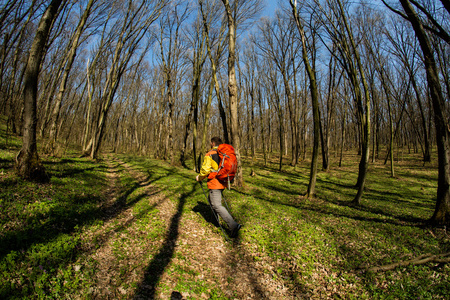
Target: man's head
[[216, 141]]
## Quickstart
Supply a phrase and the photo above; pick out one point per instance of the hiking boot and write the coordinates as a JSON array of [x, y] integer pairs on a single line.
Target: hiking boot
[[235, 231]]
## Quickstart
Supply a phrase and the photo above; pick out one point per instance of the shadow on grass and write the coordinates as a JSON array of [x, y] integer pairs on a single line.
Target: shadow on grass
[[155, 270], [395, 219], [205, 211], [65, 216], [297, 173], [58, 168], [381, 203], [6, 163], [44, 227]]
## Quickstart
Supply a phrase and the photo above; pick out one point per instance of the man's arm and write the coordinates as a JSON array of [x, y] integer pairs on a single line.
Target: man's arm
[[206, 168]]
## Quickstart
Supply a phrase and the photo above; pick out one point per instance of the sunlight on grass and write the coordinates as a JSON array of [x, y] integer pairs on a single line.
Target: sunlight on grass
[[319, 247]]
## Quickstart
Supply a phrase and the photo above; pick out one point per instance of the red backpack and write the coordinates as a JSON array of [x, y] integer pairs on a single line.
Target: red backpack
[[228, 164]]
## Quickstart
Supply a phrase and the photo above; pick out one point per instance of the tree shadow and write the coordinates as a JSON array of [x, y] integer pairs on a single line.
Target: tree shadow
[[291, 173], [6, 163], [395, 219], [155, 270], [65, 217], [67, 213], [244, 267]]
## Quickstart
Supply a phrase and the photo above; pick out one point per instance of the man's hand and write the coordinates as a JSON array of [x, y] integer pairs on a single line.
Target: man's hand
[[197, 178]]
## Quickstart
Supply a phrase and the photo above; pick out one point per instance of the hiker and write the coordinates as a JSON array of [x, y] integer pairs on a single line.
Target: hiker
[[216, 187]]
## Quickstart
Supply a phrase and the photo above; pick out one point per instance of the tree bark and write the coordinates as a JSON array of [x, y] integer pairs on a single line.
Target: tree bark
[[232, 91], [214, 63], [441, 214], [28, 165], [262, 126], [315, 102], [62, 88], [420, 260], [365, 115]]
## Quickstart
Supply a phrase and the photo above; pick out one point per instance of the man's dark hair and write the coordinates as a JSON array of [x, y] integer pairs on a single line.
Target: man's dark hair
[[216, 140]]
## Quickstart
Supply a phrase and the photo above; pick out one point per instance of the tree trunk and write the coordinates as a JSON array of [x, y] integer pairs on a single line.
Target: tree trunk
[[232, 91], [207, 115], [363, 107], [323, 142], [263, 131], [442, 210], [71, 57], [343, 128], [381, 69], [315, 103], [27, 161], [214, 63], [426, 152], [252, 127]]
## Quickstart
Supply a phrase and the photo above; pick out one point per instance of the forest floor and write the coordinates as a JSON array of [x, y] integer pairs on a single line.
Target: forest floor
[[206, 255], [127, 227]]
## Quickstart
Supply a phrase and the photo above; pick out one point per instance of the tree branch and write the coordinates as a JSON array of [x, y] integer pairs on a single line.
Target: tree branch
[[396, 11], [420, 260], [440, 32]]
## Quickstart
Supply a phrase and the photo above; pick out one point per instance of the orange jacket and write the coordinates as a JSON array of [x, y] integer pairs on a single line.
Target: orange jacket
[[209, 167]]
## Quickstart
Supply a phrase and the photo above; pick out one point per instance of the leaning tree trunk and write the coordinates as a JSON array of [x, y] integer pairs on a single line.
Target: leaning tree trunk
[[62, 88], [27, 162], [363, 110], [315, 103], [214, 63], [263, 129], [442, 211]]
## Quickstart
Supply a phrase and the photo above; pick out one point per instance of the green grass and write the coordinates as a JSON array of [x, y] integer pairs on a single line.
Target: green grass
[[317, 247], [41, 225]]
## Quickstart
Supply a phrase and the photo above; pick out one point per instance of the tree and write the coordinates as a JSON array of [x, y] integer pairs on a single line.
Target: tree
[[278, 44], [442, 211], [406, 50], [14, 22], [72, 51], [171, 47], [130, 30], [338, 27], [28, 165], [214, 64], [197, 42], [232, 90], [314, 99], [236, 13]]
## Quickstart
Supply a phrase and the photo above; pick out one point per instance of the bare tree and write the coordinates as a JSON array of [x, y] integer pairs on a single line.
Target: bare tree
[[235, 13], [279, 44], [28, 165], [214, 61], [197, 41], [442, 211], [133, 26], [16, 17], [232, 89], [170, 47], [314, 98], [338, 27], [405, 49], [70, 58]]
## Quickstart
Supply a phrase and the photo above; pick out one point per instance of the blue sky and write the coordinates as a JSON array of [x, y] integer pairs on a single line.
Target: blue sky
[[271, 5]]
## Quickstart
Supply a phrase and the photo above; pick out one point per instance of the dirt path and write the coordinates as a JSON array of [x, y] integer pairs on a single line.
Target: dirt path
[[127, 255]]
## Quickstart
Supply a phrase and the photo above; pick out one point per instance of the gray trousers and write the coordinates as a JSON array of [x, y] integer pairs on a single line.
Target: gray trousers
[[215, 198]]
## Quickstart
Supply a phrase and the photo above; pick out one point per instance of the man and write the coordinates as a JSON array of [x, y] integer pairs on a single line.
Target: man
[[210, 165]]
